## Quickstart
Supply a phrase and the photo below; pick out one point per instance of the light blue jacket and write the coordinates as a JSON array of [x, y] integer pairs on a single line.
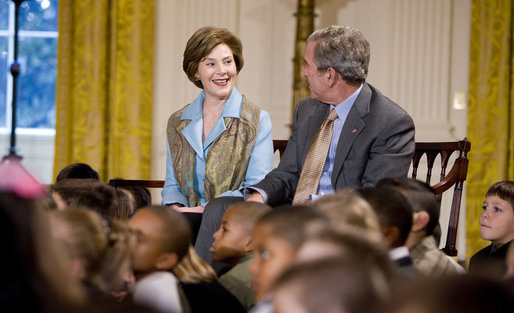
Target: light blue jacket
[[261, 158]]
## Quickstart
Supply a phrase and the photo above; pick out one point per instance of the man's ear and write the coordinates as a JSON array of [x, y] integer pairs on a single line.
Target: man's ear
[[166, 261], [420, 221], [331, 76], [248, 244]]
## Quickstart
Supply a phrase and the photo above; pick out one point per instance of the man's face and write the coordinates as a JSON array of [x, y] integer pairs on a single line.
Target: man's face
[[148, 249], [271, 256], [310, 71], [230, 239]]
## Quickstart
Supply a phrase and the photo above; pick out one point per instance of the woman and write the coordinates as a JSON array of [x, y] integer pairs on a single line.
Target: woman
[[220, 142]]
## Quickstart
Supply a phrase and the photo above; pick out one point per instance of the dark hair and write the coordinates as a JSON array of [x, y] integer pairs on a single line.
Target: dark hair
[[335, 285], [247, 213], [142, 196], [201, 44], [503, 190], [392, 209], [77, 170], [290, 223], [88, 193], [453, 293], [420, 196], [176, 230]]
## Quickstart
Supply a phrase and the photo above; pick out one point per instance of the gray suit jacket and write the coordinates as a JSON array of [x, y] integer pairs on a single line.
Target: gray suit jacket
[[377, 141]]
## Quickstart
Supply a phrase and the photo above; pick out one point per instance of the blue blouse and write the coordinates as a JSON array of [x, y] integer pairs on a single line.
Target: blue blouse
[[259, 164]]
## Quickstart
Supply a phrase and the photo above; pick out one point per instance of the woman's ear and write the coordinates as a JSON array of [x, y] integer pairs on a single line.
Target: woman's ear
[[166, 261], [420, 221]]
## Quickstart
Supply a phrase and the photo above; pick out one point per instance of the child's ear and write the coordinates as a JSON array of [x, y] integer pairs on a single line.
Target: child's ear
[[166, 261], [420, 221], [391, 236], [248, 244]]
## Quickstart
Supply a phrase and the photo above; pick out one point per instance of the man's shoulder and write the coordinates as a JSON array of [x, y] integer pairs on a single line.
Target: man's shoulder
[[380, 102]]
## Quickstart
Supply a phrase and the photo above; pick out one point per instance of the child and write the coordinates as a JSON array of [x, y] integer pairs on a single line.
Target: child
[[202, 288], [425, 253], [496, 225], [86, 193], [100, 259], [233, 245], [277, 238], [163, 240], [347, 207], [338, 285], [395, 218]]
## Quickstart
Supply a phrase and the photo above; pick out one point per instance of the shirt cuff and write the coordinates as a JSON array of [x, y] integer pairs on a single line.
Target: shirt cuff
[[248, 190]]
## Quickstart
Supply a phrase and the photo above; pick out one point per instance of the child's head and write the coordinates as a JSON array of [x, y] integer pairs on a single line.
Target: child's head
[[348, 207], [276, 238], [86, 193], [100, 255], [497, 219], [421, 198], [393, 211], [233, 240], [163, 239], [336, 285], [452, 293], [77, 170]]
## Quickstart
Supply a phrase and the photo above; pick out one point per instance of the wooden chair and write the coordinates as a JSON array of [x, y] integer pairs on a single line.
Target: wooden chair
[[455, 177], [278, 145]]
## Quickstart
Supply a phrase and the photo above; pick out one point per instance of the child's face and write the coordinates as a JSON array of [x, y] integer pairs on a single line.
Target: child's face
[[271, 256], [148, 247], [285, 300], [230, 239], [497, 221]]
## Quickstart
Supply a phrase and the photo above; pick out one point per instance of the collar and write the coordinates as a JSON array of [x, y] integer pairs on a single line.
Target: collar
[[398, 253], [344, 107], [232, 107]]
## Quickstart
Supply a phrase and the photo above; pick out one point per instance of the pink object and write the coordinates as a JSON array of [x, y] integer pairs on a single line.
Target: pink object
[[16, 179]]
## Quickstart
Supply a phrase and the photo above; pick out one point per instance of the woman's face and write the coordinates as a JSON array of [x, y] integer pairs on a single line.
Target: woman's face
[[218, 72]]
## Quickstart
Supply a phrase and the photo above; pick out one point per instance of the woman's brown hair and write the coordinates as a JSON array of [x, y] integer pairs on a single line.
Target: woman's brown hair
[[201, 44]]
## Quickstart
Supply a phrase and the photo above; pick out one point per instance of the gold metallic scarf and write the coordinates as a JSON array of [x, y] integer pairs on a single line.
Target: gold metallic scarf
[[227, 159]]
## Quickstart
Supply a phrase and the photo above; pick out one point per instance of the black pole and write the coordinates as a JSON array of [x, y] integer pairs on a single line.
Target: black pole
[[15, 72]]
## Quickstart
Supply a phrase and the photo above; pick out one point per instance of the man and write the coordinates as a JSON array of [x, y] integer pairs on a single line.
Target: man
[[371, 138]]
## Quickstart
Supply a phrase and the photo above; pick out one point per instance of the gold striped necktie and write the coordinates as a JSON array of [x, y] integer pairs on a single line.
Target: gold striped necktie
[[315, 160]]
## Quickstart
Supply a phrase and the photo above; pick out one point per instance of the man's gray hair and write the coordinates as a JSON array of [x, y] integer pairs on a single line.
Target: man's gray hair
[[344, 49]]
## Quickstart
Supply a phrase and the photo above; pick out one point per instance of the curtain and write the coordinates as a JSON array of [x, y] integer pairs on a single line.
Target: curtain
[[491, 109], [104, 86]]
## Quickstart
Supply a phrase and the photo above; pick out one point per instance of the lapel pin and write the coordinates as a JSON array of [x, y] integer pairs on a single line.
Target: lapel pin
[[354, 130]]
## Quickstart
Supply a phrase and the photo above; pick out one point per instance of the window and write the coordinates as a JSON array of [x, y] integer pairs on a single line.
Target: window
[[37, 54]]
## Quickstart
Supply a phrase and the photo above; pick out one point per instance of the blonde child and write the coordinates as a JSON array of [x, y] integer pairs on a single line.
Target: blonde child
[[100, 256]]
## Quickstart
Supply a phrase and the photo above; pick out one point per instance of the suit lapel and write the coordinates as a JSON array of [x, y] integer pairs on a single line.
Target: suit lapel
[[351, 129]]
